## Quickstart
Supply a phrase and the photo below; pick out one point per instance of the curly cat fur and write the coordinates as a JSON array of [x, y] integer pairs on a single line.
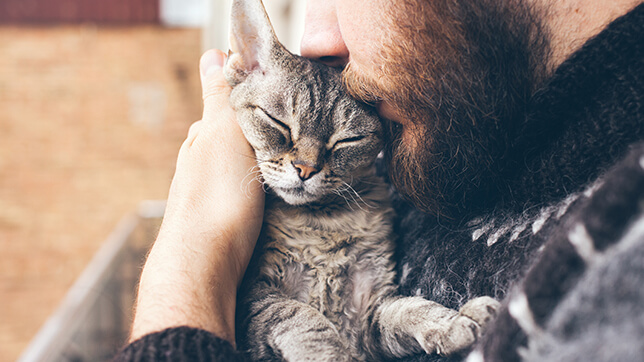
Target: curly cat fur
[[324, 285]]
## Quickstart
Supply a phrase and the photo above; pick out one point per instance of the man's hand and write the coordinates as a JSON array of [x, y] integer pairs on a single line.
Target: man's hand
[[212, 222]]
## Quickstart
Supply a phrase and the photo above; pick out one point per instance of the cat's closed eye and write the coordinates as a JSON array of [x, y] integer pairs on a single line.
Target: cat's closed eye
[[349, 141], [283, 127]]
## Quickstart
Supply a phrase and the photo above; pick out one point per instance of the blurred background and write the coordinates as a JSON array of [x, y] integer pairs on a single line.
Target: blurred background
[[96, 97]]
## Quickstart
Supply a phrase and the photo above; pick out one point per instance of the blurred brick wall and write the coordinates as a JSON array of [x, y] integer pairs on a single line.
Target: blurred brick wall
[[91, 119]]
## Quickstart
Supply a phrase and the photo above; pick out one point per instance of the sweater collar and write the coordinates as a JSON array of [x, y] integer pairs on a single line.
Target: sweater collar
[[584, 118]]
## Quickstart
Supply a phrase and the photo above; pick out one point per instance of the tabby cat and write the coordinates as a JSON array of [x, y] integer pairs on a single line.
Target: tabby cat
[[324, 285]]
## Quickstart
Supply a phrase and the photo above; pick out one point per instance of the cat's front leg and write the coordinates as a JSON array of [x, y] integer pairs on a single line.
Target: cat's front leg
[[408, 325], [280, 327]]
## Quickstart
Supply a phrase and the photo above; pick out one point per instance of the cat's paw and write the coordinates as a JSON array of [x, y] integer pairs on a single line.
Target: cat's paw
[[468, 325], [481, 310]]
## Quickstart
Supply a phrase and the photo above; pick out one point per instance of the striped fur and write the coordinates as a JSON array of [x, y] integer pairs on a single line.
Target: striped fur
[[325, 291], [323, 285]]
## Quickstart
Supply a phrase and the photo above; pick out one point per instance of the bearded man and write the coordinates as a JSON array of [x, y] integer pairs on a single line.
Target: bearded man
[[514, 146]]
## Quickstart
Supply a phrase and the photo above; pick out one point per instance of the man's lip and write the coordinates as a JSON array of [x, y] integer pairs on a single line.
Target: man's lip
[[386, 111]]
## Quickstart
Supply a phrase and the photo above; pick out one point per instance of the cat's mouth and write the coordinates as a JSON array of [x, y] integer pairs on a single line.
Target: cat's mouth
[[295, 195]]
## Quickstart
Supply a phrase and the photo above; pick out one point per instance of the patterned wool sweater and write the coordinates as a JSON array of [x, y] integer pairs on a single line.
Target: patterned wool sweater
[[555, 239]]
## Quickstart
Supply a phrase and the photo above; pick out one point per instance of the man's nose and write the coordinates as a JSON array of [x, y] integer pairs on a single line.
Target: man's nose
[[322, 40]]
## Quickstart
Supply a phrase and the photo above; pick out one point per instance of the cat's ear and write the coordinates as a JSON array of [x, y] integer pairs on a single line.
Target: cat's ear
[[252, 40]]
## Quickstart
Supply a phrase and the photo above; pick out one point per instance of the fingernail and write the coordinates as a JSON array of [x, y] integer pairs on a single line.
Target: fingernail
[[211, 61]]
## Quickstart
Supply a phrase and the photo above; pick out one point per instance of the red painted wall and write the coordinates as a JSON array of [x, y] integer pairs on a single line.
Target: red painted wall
[[79, 11]]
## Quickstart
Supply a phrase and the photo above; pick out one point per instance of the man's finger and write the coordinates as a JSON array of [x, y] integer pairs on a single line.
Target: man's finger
[[219, 122], [215, 89]]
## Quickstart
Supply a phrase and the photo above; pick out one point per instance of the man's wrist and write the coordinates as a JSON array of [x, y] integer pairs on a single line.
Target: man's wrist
[[183, 285]]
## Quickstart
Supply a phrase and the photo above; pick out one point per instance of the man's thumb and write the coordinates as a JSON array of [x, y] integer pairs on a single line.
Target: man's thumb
[[213, 83]]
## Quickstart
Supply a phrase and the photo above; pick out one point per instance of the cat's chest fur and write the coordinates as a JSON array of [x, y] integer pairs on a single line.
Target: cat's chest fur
[[336, 259]]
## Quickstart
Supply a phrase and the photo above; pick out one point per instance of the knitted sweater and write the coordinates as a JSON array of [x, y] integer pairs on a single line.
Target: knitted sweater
[[553, 243]]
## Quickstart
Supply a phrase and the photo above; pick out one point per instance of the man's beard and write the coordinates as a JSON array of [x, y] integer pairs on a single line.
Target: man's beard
[[460, 75]]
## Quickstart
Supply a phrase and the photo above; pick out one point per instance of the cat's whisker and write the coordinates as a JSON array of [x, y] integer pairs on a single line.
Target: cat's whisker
[[350, 188], [260, 161], [255, 174], [247, 156], [355, 201], [246, 189], [262, 182], [339, 193], [252, 171], [353, 192]]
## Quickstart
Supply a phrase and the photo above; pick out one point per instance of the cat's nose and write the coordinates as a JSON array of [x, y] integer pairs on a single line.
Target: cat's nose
[[304, 171]]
